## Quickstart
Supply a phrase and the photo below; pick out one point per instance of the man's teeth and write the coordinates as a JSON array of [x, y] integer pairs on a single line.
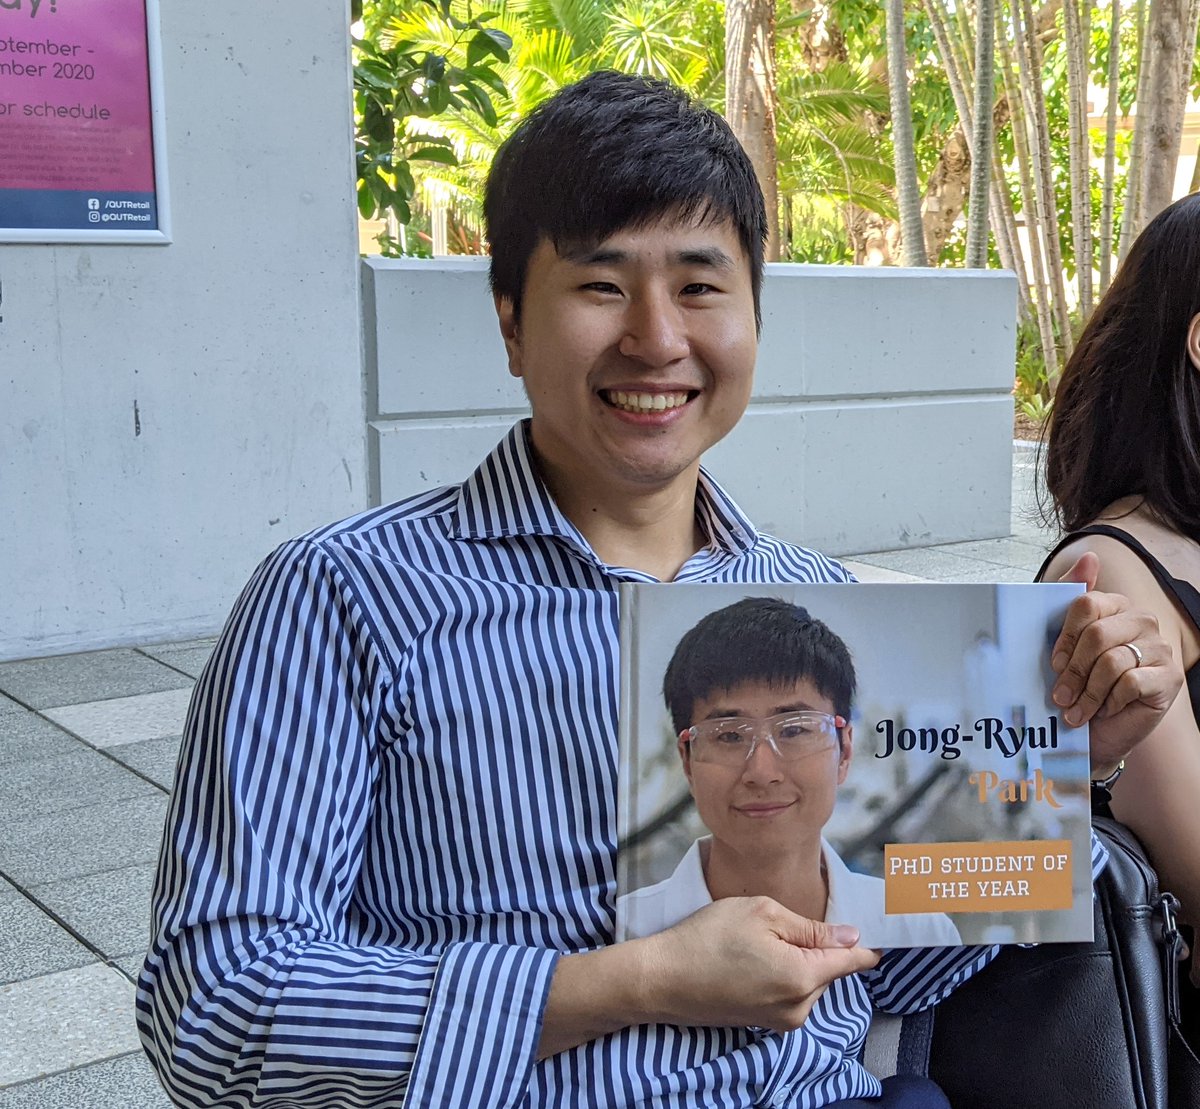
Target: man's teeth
[[647, 402]]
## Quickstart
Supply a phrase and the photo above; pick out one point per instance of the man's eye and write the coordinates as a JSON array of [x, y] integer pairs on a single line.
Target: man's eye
[[697, 288], [602, 287], [792, 731], [728, 738]]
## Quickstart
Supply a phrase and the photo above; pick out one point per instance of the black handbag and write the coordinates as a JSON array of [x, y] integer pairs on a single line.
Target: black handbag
[[1078, 1026]]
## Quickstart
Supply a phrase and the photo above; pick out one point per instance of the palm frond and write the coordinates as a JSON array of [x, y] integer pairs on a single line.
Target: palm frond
[[840, 93]]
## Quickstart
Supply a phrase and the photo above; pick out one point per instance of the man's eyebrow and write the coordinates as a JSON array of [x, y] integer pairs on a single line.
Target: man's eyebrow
[[595, 255], [723, 712], [712, 257]]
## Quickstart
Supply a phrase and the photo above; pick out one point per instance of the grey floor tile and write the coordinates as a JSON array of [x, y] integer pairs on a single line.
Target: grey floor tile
[[127, 1082], [120, 720], [937, 564], [8, 706], [64, 1020], [27, 737], [77, 780], [1020, 554], [190, 658], [91, 676], [924, 562], [205, 642], [130, 965], [865, 571], [155, 758], [84, 841], [31, 943], [111, 910]]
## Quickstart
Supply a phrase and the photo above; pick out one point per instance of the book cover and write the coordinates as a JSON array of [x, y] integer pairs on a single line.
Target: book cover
[[883, 755]]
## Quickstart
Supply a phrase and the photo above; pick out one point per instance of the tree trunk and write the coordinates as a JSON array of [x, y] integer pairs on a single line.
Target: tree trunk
[[912, 231], [1170, 42], [946, 192], [1029, 58], [874, 237], [981, 145], [1110, 148], [954, 57], [750, 97], [1079, 151], [821, 39], [1029, 205], [1130, 219]]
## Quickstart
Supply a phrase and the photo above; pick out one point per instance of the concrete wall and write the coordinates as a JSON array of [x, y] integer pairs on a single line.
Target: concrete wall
[[881, 416], [169, 413]]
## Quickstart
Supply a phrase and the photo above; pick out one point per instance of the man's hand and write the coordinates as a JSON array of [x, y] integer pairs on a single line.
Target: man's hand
[[742, 961], [747, 961], [1101, 680]]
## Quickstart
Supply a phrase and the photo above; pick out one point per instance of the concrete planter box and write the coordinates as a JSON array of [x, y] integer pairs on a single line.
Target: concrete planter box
[[881, 414]]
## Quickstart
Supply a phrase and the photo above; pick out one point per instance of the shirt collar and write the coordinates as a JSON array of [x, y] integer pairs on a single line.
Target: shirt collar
[[689, 890], [839, 905], [506, 496]]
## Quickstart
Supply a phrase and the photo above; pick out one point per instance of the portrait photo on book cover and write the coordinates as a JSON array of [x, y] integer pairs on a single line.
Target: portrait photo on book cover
[[886, 756]]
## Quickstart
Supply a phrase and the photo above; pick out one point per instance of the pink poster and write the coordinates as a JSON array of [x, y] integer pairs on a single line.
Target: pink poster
[[76, 117]]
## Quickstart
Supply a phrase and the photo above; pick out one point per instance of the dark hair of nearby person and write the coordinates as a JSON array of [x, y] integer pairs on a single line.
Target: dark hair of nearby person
[[760, 639], [1126, 416], [610, 152]]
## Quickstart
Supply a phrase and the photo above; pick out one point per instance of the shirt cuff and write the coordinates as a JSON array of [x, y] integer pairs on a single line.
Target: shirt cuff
[[1099, 856], [479, 1042]]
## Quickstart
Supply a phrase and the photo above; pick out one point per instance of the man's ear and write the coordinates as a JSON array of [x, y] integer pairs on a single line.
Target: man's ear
[[847, 752], [510, 332], [685, 757], [1193, 341]]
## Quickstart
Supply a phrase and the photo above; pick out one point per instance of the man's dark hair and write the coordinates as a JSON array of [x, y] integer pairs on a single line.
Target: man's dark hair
[[1126, 417], [760, 639], [610, 152]]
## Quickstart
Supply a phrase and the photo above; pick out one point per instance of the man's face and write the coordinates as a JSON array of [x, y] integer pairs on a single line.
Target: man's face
[[637, 355], [767, 805]]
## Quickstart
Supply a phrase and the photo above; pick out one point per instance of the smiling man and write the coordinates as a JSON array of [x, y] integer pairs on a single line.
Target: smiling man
[[760, 695], [388, 869]]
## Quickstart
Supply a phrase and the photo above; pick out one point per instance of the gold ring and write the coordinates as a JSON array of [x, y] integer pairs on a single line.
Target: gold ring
[[1136, 654]]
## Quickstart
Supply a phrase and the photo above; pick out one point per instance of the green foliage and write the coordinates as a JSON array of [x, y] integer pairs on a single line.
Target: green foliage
[[814, 231], [643, 38], [438, 86], [830, 150], [825, 146], [420, 62], [1031, 379]]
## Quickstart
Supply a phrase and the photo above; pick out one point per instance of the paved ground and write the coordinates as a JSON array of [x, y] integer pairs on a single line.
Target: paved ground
[[87, 753]]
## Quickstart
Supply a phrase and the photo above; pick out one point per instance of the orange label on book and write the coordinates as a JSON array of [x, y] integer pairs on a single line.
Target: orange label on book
[[977, 877]]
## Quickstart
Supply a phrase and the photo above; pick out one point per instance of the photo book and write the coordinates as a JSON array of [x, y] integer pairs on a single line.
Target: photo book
[[884, 755]]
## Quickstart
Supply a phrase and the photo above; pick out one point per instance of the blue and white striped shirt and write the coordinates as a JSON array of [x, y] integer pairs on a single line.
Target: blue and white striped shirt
[[396, 806]]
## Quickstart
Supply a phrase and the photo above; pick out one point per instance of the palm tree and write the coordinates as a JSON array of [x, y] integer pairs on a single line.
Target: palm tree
[[912, 230], [829, 155], [981, 145]]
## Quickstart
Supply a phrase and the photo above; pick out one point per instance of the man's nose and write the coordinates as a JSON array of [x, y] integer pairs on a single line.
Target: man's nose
[[655, 333], [762, 766]]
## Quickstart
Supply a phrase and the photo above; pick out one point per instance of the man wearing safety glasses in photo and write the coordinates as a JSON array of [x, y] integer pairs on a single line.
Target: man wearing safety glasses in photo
[[760, 695]]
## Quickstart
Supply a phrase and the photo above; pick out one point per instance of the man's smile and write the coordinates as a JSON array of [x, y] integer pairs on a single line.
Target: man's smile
[[762, 810], [640, 401]]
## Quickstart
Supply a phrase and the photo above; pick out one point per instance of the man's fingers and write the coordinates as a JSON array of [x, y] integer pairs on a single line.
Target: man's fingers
[[816, 967], [836, 962], [800, 931]]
